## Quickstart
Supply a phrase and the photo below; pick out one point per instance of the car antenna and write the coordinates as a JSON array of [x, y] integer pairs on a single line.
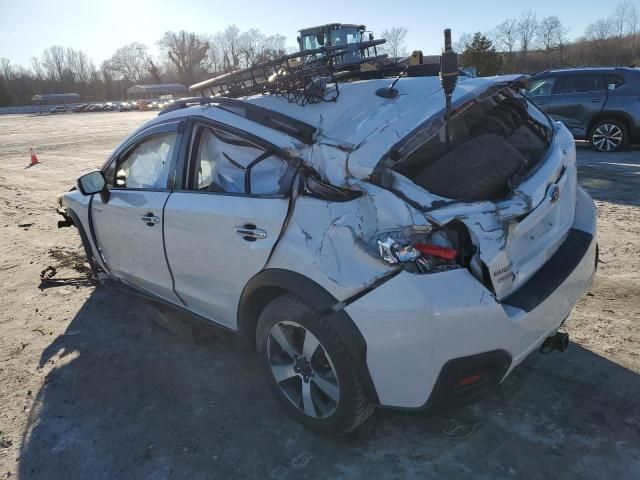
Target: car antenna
[[448, 79], [390, 92]]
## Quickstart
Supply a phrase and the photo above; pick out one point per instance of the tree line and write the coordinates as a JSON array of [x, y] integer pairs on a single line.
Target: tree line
[[184, 57], [525, 44], [528, 44]]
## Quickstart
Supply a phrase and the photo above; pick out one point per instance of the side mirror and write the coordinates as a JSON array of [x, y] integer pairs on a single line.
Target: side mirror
[[94, 182]]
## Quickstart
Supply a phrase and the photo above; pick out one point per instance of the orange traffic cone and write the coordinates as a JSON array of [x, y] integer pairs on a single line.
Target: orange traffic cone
[[34, 158]]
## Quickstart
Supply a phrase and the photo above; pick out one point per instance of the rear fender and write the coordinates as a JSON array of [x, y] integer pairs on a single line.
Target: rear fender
[[271, 283]]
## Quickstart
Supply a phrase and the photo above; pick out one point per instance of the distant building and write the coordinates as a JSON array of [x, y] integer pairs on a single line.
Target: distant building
[[55, 99], [155, 91]]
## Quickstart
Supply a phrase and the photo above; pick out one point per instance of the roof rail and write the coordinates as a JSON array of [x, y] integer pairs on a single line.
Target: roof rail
[[301, 77], [269, 118]]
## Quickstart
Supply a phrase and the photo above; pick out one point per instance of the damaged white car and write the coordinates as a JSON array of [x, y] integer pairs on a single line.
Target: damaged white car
[[372, 256]]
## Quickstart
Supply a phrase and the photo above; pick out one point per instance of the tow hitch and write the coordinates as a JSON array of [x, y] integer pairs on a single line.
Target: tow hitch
[[558, 341]]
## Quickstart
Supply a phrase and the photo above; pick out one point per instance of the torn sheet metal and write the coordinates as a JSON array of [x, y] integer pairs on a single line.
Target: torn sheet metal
[[334, 243]]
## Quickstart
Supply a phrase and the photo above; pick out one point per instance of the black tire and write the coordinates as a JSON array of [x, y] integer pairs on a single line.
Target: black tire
[[479, 169], [609, 136], [353, 407]]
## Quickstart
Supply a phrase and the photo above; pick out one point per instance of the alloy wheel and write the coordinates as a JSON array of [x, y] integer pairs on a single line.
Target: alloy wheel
[[607, 137], [303, 369]]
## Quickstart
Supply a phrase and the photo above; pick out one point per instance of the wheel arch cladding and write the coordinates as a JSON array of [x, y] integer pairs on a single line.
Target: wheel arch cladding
[[269, 284]]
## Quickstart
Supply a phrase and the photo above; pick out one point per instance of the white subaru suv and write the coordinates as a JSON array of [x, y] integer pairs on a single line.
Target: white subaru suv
[[372, 259]]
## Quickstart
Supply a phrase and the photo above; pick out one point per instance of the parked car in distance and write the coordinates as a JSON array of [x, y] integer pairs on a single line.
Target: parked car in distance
[[601, 105], [124, 107], [59, 109], [369, 263], [80, 107], [95, 107]]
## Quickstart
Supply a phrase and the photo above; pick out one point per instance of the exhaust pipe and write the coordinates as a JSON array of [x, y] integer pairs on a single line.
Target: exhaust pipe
[[558, 341]]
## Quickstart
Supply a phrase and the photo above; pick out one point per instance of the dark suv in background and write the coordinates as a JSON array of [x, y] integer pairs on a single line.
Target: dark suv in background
[[601, 105]]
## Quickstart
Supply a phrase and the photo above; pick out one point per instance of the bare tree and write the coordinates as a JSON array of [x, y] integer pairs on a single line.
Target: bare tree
[[107, 77], [36, 67], [6, 69], [154, 71], [549, 34], [560, 34], [6, 73], [229, 42], [131, 62], [249, 44], [78, 66], [463, 42], [272, 46], [54, 63], [395, 47], [507, 34], [619, 22], [186, 52], [598, 35], [217, 52], [633, 21], [527, 26], [619, 17]]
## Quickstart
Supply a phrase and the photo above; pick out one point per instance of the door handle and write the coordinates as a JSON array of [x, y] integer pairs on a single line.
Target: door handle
[[250, 232], [596, 100], [150, 219]]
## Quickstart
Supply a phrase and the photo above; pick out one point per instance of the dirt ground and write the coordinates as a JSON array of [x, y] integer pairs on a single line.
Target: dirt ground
[[91, 387]]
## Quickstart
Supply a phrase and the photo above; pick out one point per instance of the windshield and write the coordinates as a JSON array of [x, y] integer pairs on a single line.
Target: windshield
[[340, 36], [309, 42], [345, 36]]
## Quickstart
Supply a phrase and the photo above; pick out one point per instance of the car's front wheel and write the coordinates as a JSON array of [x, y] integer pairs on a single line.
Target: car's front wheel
[[609, 136], [309, 369]]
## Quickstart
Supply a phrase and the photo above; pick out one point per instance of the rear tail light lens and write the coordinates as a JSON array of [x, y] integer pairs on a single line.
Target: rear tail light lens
[[418, 256], [445, 253]]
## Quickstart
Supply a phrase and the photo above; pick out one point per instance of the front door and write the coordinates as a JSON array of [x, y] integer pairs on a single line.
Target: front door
[[220, 230], [129, 226]]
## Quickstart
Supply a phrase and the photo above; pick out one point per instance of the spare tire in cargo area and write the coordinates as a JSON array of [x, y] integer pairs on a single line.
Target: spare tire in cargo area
[[479, 169]]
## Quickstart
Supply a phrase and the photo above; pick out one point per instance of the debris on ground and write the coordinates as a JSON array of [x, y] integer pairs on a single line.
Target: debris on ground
[[48, 273]]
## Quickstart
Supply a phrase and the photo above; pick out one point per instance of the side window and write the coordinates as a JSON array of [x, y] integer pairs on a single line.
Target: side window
[[540, 87], [613, 81], [146, 165], [579, 84], [224, 162]]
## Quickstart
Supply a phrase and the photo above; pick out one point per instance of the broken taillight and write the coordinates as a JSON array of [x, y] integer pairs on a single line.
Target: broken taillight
[[420, 257], [446, 253]]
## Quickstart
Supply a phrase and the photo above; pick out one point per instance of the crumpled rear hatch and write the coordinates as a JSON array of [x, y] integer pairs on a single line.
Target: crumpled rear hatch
[[528, 240], [509, 176]]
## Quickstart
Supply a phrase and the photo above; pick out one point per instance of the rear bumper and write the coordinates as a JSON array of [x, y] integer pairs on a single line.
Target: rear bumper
[[414, 325]]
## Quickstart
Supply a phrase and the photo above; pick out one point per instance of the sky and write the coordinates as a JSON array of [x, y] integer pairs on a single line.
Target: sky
[[27, 27]]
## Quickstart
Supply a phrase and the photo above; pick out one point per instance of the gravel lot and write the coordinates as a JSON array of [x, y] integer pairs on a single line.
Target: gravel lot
[[91, 387]]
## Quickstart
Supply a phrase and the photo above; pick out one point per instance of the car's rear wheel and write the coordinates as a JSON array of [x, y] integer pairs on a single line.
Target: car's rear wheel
[[609, 136], [309, 369]]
